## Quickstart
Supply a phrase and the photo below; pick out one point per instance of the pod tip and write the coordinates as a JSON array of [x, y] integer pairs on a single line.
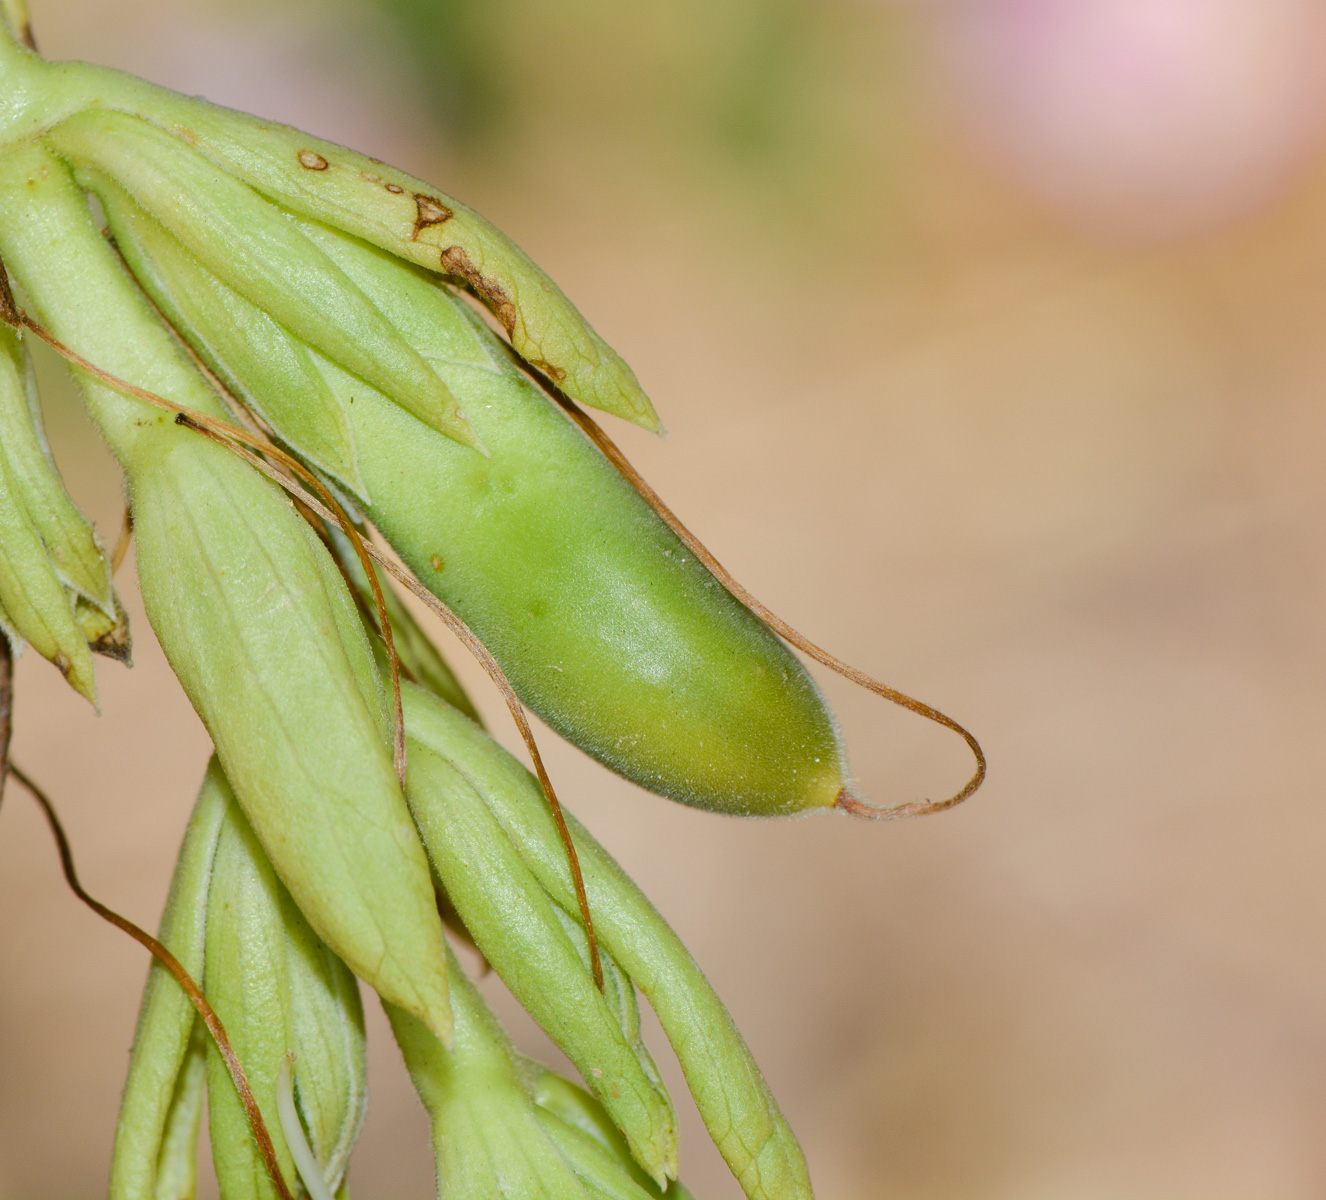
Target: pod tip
[[854, 806]]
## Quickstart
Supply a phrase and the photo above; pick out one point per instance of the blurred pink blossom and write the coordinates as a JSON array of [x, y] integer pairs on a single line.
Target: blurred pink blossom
[[1142, 118]]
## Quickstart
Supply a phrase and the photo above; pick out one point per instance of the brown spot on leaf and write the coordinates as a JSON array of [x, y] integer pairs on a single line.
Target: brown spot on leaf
[[187, 134], [456, 262], [435, 562], [556, 374], [395, 189], [62, 663], [311, 160], [429, 212], [370, 176]]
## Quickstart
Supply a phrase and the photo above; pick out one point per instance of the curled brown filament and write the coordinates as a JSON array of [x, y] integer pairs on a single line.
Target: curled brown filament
[[846, 801], [205, 1011]]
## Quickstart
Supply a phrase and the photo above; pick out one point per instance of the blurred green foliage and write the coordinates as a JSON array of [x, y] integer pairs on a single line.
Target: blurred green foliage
[[739, 62], [455, 51], [793, 102]]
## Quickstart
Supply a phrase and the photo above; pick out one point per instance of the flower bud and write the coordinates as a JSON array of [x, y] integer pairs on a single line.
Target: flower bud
[[70, 542], [588, 1140], [157, 1131], [518, 930], [729, 1091], [487, 1137], [279, 991], [33, 603], [260, 630], [263, 365]]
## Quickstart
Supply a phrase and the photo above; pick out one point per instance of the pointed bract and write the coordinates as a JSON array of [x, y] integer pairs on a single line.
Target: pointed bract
[[69, 539], [730, 1093], [278, 991], [517, 929], [157, 1130], [263, 364], [409, 219], [247, 242]]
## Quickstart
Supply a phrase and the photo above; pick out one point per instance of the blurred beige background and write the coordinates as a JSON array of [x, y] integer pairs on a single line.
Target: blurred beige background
[[989, 338]]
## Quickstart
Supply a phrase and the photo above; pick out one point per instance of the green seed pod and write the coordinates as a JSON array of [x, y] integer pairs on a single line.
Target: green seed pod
[[250, 610], [487, 1138], [517, 929], [604, 622], [421, 661], [246, 241], [590, 1142], [157, 1131], [254, 356], [278, 990], [729, 1091], [78, 558], [32, 598], [409, 219]]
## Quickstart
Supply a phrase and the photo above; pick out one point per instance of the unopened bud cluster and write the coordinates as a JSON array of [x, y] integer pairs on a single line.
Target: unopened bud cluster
[[241, 270]]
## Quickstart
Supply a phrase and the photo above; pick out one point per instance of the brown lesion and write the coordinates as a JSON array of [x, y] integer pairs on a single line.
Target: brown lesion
[[117, 644], [395, 189], [556, 374], [311, 160], [429, 211], [455, 261]]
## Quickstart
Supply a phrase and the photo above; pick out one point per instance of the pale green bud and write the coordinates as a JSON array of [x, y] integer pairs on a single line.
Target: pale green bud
[[261, 632], [250, 245], [519, 932], [729, 1091], [581, 1128], [157, 1132], [76, 287], [32, 598], [488, 1141], [69, 539], [279, 991]]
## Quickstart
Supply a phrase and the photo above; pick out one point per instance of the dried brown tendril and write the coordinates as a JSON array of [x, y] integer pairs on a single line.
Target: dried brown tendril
[[209, 1018], [846, 801]]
